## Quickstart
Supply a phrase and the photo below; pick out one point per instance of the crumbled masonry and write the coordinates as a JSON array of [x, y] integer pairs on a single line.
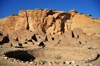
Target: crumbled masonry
[[43, 37]]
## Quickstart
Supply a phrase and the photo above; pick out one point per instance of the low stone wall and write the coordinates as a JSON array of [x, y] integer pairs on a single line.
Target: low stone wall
[[22, 56]]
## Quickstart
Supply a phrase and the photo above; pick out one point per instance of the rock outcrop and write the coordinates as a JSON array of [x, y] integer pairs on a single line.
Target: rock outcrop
[[87, 23], [50, 22], [60, 37]]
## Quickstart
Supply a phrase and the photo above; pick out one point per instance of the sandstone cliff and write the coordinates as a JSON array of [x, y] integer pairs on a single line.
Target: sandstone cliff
[[49, 21]]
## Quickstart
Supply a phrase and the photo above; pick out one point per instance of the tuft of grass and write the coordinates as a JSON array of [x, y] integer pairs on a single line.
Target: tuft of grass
[[57, 57]]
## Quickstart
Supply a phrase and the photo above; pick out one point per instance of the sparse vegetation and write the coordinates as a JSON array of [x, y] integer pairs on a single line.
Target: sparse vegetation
[[57, 57]]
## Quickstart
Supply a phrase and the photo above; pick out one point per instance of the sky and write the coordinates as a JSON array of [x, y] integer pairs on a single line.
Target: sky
[[9, 7]]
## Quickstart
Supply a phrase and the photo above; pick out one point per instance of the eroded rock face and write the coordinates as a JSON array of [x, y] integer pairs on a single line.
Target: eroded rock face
[[86, 22], [50, 22], [50, 35], [37, 19], [12, 23]]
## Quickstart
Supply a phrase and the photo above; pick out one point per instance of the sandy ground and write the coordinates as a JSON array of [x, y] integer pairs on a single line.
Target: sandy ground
[[7, 63]]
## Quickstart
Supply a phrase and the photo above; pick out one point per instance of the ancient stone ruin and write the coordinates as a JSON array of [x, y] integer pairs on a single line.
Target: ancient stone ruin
[[49, 37]]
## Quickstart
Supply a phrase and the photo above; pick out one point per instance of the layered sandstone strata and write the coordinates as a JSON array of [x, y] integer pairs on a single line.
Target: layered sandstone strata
[[49, 21]]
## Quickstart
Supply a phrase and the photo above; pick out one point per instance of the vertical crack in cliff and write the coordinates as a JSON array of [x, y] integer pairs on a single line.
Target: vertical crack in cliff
[[27, 21], [62, 26]]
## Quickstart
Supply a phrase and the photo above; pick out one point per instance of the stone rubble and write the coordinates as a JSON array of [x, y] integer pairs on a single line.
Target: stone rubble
[[51, 34], [70, 63]]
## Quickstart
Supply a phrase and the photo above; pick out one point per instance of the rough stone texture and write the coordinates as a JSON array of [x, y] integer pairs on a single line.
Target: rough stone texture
[[62, 38], [21, 36], [41, 38], [46, 20], [77, 32], [58, 26], [12, 23], [49, 38], [22, 13], [87, 23], [53, 36], [50, 30], [37, 19], [68, 35]]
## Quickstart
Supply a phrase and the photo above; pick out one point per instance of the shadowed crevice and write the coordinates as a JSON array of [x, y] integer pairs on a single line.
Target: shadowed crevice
[[34, 37], [5, 40], [73, 35], [21, 55]]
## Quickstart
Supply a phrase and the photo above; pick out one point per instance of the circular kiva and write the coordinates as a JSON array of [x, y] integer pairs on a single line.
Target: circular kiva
[[41, 56]]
